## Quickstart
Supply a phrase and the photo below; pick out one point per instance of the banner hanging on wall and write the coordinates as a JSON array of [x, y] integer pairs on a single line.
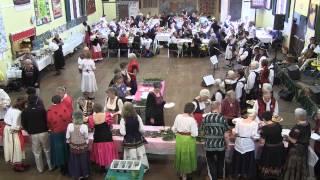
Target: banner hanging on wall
[[3, 37], [22, 4], [91, 7], [42, 12], [56, 8]]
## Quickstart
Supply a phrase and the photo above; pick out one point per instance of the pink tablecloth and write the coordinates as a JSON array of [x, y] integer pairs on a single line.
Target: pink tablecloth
[[144, 90]]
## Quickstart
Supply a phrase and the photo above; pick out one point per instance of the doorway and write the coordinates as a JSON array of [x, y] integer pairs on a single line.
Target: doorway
[[123, 11]]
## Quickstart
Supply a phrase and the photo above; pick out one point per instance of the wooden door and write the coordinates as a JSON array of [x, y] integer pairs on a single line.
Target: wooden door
[[298, 33], [123, 10]]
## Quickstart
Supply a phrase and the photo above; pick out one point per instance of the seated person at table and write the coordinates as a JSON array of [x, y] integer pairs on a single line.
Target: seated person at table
[[307, 51], [113, 43], [123, 39], [306, 62]]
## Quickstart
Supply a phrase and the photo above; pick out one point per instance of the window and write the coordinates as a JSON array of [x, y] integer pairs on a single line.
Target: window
[[150, 3]]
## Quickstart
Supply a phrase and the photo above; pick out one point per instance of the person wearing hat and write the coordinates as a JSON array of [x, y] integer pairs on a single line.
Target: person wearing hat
[[77, 137], [297, 160], [200, 103], [154, 106], [256, 54], [252, 86], [243, 160], [266, 103], [230, 107], [273, 152]]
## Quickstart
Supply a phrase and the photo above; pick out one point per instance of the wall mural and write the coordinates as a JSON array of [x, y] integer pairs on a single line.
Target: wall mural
[[56, 8], [91, 7], [176, 6], [42, 12]]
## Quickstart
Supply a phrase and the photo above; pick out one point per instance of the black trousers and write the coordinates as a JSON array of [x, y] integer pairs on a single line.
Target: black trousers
[[215, 161]]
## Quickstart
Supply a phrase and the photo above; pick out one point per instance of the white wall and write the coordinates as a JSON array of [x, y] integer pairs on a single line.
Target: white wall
[[224, 9], [246, 11]]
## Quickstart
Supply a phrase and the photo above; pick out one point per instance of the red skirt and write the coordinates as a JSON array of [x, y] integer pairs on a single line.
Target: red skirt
[[198, 117]]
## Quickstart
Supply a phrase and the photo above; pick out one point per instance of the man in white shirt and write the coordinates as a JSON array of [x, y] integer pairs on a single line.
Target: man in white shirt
[[266, 103], [252, 86], [271, 74]]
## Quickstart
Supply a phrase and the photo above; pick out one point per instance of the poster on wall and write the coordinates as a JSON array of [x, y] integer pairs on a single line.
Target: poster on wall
[[20, 5], [177, 6], [42, 12], [3, 37], [91, 7], [312, 15], [56, 8], [133, 9]]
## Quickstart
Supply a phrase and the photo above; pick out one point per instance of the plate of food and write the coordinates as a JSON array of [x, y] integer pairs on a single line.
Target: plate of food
[[169, 105]]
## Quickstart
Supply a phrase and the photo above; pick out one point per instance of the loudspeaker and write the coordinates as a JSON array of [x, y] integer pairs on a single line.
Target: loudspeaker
[[294, 72], [278, 23]]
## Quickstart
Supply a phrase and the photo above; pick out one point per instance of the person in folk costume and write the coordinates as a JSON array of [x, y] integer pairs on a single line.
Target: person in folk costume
[[113, 104], [103, 151], [263, 53], [252, 86], [245, 54], [230, 107], [266, 103], [88, 80], [272, 158], [87, 34], [240, 91], [230, 81], [154, 106], [124, 73], [4, 106], [58, 117], [13, 140], [307, 51], [271, 72], [256, 54], [186, 129], [95, 48], [220, 92], [231, 48], [85, 104], [296, 166], [77, 136], [266, 73], [65, 97], [200, 103], [59, 61], [133, 70], [132, 128]]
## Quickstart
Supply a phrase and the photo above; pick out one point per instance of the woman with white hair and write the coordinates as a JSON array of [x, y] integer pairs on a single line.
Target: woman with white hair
[[230, 107], [296, 167], [200, 103], [266, 103], [243, 160], [252, 86]]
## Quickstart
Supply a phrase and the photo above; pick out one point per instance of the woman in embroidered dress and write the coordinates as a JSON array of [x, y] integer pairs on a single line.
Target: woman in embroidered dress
[[113, 104], [13, 140], [103, 150], [133, 69], [200, 102], [154, 107], [186, 129], [131, 127], [96, 48], [77, 138], [88, 81]]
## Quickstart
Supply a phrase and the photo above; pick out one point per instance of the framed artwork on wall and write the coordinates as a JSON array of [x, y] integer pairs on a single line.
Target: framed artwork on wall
[[56, 8], [42, 12]]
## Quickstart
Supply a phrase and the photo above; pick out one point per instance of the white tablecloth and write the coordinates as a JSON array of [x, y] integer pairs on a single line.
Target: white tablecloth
[[71, 43], [44, 62], [263, 36], [164, 37]]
